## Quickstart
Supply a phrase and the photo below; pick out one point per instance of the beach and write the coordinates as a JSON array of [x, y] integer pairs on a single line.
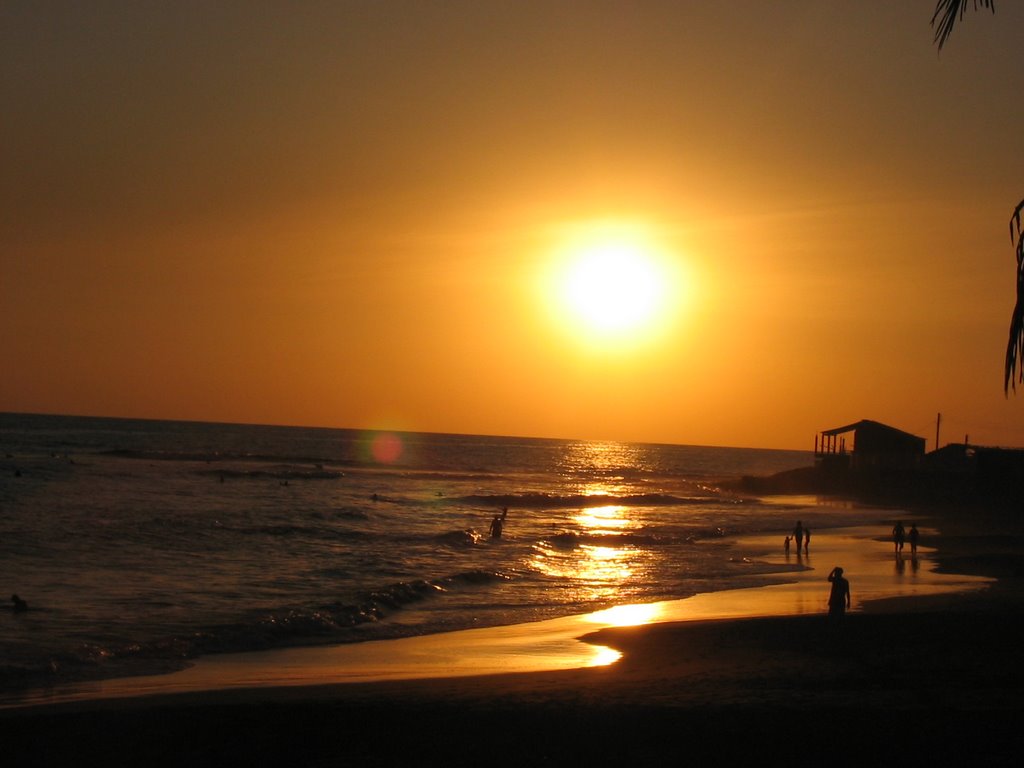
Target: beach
[[934, 679], [511, 383]]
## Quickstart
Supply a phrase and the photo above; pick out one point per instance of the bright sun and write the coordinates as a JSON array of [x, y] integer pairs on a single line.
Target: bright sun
[[612, 283], [613, 287]]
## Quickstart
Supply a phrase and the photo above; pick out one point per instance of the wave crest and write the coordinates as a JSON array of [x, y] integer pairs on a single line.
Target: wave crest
[[577, 501]]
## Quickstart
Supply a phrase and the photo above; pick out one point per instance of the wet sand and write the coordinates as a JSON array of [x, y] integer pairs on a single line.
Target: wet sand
[[932, 677]]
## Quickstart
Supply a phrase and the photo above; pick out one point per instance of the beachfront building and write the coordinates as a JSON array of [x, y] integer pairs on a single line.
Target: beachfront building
[[867, 444], [881, 464], [978, 472]]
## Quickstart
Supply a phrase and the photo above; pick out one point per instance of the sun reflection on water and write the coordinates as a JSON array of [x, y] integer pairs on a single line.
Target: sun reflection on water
[[598, 572], [605, 564], [595, 556], [601, 468], [598, 554], [608, 516]]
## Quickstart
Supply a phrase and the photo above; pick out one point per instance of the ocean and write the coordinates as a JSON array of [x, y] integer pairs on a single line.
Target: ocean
[[139, 545]]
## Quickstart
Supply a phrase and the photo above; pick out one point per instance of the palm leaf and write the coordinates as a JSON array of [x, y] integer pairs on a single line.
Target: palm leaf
[[1014, 370], [949, 12]]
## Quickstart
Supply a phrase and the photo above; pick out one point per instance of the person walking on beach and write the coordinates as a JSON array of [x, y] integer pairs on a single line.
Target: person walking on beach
[[898, 536], [839, 597], [807, 539], [798, 535], [913, 539]]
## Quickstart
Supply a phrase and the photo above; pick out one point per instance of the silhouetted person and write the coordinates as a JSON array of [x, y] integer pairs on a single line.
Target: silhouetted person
[[807, 539], [496, 527], [787, 544], [19, 604], [504, 514], [839, 597], [898, 536], [913, 538], [798, 535]]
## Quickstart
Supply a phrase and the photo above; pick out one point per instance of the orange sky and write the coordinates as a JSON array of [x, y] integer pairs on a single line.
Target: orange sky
[[344, 215]]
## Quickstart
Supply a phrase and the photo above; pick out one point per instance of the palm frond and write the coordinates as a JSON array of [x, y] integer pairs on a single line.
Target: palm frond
[[951, 12], [1014, 370]]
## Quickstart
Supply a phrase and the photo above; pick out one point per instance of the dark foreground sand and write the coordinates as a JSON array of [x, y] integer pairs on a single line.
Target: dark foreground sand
[[926, 681]]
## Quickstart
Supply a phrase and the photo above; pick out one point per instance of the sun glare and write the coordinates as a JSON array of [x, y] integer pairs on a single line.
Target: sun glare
[[613, 287], [627, 615], [612, 282]]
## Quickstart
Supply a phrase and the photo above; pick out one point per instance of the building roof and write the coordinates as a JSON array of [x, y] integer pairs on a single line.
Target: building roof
[[868, 424]]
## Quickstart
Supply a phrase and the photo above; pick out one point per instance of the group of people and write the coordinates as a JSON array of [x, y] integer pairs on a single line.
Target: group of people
[[839, 596], [801, 537], [900, 536]]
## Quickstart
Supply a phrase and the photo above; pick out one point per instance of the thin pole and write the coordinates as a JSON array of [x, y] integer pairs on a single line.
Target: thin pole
[[938, 421]]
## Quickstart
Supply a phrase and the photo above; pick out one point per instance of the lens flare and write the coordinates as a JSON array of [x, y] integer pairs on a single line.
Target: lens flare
[[386, 448]]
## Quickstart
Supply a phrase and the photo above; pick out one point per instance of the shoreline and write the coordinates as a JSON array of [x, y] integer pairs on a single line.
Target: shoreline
[[544, 646], [943, 685], [936, 674]]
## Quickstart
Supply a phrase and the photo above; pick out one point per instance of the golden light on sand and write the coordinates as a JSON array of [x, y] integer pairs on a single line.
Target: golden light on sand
[[627, 615], [612, 282], [603, 656]]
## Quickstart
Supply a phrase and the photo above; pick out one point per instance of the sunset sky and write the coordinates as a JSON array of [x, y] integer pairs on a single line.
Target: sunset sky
[[371, 215]]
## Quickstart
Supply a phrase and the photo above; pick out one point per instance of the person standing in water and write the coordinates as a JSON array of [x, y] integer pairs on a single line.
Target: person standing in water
[[496, 527], [839, 597]]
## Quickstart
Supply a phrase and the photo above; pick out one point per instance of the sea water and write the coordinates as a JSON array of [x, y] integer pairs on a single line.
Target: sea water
[[139, 545]]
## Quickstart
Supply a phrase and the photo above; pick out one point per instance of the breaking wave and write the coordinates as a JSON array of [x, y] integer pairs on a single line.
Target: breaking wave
[[577, 501], [287, 627]]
